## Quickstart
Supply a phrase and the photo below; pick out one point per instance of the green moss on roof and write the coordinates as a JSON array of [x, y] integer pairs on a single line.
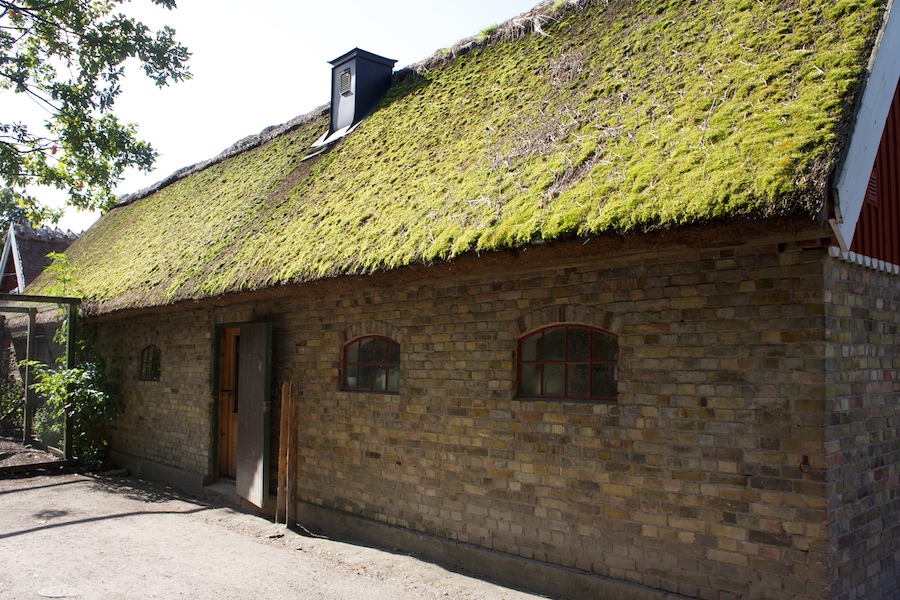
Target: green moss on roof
[[625, 116]]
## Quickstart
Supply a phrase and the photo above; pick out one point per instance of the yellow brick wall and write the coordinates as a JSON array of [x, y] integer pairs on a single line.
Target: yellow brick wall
[[166, 421], [863, 430], [690, 482]]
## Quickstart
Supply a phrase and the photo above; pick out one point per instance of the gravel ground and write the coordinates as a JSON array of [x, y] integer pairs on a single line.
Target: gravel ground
[[75, 536]]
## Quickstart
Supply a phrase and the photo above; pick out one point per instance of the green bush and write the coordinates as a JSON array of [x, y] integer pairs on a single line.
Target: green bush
[[12, 401], [48, 426], [87, 396]]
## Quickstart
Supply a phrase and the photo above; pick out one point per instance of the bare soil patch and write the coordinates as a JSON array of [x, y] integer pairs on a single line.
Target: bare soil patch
[[14, 453]]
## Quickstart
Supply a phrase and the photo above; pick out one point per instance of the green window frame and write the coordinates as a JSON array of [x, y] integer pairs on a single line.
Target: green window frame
[[372, 364], [568, 362]]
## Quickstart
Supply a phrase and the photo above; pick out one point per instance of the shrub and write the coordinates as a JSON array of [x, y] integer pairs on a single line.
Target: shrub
[[48, 426], [86, 395], [12, 401]]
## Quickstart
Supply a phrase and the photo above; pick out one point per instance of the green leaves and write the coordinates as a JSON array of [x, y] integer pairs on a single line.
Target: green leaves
[[15, 208], [85, 395], [68, 56], [63, 275]]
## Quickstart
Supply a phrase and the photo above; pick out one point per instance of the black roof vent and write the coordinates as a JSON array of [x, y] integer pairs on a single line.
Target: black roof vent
[[359, 80]]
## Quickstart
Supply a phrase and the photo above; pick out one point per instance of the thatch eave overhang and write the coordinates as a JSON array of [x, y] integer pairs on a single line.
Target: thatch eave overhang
[[594, 251]]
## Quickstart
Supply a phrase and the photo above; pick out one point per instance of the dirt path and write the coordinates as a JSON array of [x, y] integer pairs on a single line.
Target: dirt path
[[74, 536]]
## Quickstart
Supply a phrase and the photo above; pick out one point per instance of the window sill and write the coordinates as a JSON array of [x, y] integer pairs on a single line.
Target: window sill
[[557, 400]]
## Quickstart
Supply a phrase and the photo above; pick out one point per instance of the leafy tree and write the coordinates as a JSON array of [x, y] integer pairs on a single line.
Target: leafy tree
[[69, 57], [10, 210], [62, 271], [16, 209]]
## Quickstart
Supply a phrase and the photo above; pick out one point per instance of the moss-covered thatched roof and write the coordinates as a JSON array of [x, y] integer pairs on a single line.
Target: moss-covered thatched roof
[[576, 119]]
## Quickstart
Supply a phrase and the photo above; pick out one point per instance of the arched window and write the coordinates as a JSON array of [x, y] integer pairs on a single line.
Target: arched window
[[372, 364], [568, 362], [151, 358]]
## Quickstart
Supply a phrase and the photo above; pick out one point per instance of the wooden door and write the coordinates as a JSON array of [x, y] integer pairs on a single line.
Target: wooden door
[[254, 387], [228, 401]]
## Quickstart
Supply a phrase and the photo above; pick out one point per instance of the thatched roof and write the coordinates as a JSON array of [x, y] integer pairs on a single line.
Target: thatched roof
[[25, 252], [579, 118]]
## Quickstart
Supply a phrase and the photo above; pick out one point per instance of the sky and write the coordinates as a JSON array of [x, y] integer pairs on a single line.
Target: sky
[[264, 63]]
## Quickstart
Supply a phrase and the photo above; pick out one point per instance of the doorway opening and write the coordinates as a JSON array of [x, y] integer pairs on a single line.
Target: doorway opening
[[229, 398], [243, 380]]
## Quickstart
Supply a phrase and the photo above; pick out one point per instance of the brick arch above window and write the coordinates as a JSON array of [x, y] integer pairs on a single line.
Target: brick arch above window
[[149, 367], [376, 328], [562, 314]]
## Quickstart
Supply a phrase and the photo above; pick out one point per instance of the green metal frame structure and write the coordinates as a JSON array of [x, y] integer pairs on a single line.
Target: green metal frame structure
[[23, 304]]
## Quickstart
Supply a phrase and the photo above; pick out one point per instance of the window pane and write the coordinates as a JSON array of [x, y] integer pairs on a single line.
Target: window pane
[[365, 377], [394, 353], [531, 348], [554, 384], [353, 353], [564, 362], [150, 363], [579, 344], [578, 383], [372, 363], [365, 350], [350, 378], [604, 381], [555, 344], [605, 347], [379, 377], [380, 351], [530, 382], [393, 382]]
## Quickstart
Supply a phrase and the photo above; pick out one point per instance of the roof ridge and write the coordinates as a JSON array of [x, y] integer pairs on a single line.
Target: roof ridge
[[26, 231], [248, 143], [530, 21]]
